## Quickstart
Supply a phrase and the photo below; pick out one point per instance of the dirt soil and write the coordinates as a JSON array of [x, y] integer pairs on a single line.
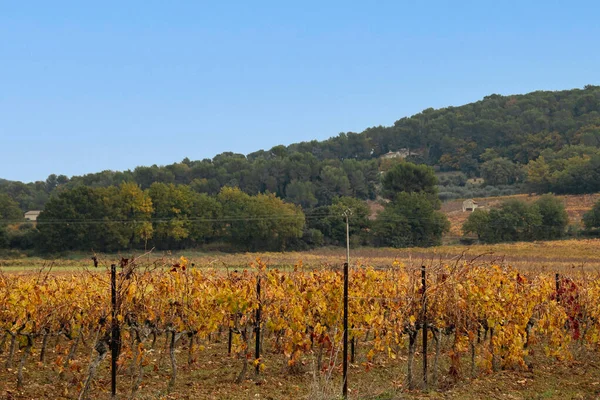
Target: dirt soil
[[212, 375]]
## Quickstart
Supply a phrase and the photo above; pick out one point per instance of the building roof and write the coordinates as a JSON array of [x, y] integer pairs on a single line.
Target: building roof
[[33, 212]]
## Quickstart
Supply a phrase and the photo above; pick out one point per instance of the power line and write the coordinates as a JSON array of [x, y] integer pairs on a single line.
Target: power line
[[169, 219], [193, 220]]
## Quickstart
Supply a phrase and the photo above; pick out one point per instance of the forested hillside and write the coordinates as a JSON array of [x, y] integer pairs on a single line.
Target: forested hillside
[[498, 138], [539, 142]]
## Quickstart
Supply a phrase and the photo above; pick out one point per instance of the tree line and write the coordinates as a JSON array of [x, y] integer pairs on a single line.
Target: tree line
[[170, 216], [166, 216], [517, 220]]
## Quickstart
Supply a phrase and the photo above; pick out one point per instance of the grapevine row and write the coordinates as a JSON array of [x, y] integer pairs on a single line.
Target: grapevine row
[[301, 315]]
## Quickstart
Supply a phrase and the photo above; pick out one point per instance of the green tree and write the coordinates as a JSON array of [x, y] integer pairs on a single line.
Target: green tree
[[21, 236], [62, 179], [172, 206], [479, 224], [501, 171], [301, 193], [134, 207], [488, 155], [515, 220], [589, 135], [410, 178], [329, 220], [235, 206], [9, 209], [51, 182], [262, 222], [9, 214], [205, 226], [554, 218], [278, 223], [591, 219], [580, 175], [81, 219], [539, 175], [410, 220], [3, 237], [333, 182]]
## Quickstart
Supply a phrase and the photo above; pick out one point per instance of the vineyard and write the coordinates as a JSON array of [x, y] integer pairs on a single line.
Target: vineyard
[[173, 318]]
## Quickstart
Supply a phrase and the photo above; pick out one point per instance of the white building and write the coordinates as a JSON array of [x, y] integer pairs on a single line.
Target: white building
[[402, 153], [32, 215], [469, 205]]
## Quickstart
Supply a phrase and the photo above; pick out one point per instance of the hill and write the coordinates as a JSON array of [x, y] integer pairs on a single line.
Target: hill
[[493, 138]]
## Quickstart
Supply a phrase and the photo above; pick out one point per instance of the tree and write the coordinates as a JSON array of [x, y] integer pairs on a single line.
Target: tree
[[554, 218], [538, 175], [488, 155], [134, 207], [591, 219], [62, 179], [206, 212], [171, 211], [21, 236], [278, 223], [333, 182], [9, 214], [262, 222], [500, 171], [9, 209], [580, 175], [515, 220], [82, 218], [410, 220], [410, 178], [589, 135], [51, 182], [301, 193], [478, 223], [329, 220], [3, 237], [235, 206]]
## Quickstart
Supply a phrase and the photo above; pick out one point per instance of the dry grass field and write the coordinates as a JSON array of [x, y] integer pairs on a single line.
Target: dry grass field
[[558, 255]]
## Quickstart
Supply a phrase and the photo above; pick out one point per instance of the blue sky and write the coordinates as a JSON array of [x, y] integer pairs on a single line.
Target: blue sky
[[115, 84]]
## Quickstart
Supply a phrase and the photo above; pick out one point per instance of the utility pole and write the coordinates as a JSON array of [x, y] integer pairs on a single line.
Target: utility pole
[[347, 214]]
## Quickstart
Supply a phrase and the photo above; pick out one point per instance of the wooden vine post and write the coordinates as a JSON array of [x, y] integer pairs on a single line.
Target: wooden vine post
[[345, 350], [557, 279], [424, 284], [115, 331], [257, 327], [346, 214]]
